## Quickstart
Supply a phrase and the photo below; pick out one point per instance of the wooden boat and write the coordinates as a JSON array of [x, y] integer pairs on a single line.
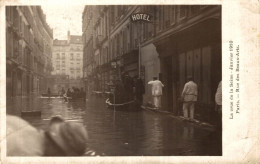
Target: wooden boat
[[52, 95], [68, 99], [129, 106], [31, 113]]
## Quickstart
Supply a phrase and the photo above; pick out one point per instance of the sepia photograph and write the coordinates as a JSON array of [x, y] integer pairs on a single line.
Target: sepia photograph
[[114, 80]]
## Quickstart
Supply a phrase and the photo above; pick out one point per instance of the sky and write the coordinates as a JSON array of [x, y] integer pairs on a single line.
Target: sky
[[62, 18]]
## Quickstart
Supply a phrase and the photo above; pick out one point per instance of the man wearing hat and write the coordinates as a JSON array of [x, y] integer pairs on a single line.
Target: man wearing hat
[[61, 139], [189, 97]]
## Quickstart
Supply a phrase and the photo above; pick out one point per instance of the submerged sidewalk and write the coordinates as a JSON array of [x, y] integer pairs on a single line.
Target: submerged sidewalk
[[192, 121]]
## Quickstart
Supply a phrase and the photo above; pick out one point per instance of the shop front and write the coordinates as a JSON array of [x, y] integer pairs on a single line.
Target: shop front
[[196, 52], [130, 63]]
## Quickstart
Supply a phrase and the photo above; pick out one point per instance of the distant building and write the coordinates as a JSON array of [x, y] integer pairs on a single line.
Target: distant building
[[28, 51], [67, 60]]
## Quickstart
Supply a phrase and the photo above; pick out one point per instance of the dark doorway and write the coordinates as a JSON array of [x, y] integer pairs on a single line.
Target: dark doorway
[[167, 81]]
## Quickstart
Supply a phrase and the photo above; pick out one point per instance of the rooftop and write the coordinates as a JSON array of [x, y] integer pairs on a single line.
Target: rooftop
[[75, 39], [57, 42]]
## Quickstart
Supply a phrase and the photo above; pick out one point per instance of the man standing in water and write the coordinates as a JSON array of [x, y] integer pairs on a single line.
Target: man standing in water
[[156, 91], [189, 97]]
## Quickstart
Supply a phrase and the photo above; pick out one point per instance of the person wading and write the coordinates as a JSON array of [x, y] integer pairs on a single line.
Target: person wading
[[189, 97], [156, 92], [139, 90]]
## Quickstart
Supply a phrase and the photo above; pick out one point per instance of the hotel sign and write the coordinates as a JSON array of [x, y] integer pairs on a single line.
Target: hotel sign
[[141, 17]]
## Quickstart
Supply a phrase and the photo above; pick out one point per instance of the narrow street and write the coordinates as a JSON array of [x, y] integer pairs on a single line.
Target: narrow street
[[123, 133]]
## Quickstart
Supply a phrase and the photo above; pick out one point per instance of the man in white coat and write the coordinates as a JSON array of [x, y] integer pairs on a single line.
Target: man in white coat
[[218, 100], [189, 97], [156, 91]]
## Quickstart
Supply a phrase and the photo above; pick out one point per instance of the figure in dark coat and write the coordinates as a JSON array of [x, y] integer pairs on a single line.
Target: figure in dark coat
[[128, 85], [139, 91]]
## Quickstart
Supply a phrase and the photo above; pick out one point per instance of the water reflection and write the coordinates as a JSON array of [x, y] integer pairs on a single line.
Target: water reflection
[[123, 133]]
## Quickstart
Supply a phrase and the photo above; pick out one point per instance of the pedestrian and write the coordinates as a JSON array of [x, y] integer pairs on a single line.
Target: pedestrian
[[128, 83], [139, 90], [189, 97], [49, 92], [156, 92], [218, 107], [67, 95], [120, 92], [60, 139], [62, 92], [82, 93]]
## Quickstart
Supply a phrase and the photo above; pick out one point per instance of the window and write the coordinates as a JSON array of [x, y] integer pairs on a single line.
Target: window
[[182, 12], [57, 55], [194, 9], [166, 16], [71, 56], [172, 14], [159, 18]]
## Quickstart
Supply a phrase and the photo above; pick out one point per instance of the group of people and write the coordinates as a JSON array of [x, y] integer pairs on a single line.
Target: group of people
[[188, 97], [129, 89], [73, 93]]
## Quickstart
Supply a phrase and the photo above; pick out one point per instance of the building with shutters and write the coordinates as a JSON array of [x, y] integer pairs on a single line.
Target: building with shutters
[[180, 40], [110, 42], [67, 62], [28, 51]]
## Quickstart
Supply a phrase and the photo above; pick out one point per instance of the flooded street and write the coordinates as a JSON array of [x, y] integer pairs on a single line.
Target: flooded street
[[123, 133]]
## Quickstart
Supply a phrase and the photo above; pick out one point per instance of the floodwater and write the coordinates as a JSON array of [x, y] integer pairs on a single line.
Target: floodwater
[[123, 133]]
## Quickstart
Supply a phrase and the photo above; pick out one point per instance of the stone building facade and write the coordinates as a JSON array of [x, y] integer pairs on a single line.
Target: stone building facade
[[180, 40], [28, 51]]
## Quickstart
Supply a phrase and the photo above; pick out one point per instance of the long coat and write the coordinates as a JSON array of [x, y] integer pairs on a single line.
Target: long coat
[[156, 87], [190, 92]]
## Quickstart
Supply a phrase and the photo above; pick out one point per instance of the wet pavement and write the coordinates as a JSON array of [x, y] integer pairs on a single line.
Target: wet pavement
[[123, 133]]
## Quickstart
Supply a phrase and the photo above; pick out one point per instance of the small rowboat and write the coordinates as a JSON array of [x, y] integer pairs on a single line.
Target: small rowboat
[[31, 113], [50, 95], [131, 105]]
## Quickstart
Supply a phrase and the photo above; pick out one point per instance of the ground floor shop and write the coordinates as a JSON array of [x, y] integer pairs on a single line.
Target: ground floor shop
[[22, 82], [195, 51], [150, 68], [19, 82]]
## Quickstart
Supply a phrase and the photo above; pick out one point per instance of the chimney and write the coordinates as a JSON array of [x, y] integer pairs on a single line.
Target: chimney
[[68, 36]]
